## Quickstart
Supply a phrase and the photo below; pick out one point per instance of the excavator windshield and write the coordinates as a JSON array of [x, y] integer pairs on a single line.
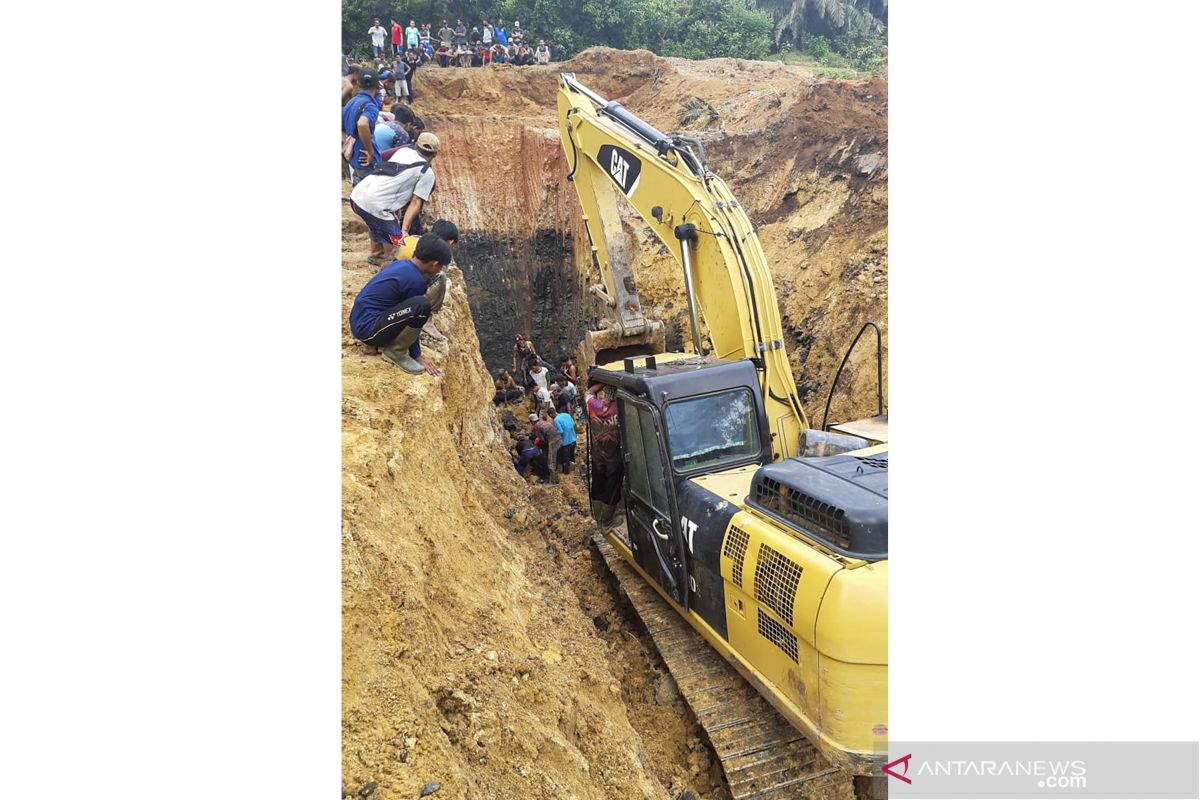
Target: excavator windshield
[[712, 431]]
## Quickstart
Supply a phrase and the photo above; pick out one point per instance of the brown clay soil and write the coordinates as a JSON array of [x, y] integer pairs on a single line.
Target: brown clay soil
[[473, 654], [482, 647]]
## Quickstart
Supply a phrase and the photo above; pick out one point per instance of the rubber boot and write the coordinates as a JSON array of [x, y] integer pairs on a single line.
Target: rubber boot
[[397, 351]]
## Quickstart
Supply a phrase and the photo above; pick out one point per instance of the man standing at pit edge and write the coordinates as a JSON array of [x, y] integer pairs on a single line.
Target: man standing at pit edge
[[359, 116], [378, 36], [391, 308]]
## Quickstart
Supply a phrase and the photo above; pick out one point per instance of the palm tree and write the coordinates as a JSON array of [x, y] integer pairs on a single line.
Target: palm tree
[[841, 16]]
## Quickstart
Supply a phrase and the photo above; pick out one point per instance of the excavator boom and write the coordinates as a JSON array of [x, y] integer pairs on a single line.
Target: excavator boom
[[693, 212]]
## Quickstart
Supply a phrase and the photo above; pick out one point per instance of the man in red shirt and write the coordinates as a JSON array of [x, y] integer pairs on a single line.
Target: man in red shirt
[[608, 468], [397, 38]]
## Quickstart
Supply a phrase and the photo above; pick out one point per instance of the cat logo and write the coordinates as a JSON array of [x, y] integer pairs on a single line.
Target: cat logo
[[623, 167], [619, 168], [689, 531]]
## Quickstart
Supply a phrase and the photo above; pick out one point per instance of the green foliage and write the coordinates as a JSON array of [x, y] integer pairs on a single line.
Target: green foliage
[[835, 35], [818, 47], [695, 111], [862, 52], [728, 28]]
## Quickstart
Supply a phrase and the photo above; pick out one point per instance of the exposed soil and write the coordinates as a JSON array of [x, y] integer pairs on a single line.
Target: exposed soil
[[482, 648], [480, 651]]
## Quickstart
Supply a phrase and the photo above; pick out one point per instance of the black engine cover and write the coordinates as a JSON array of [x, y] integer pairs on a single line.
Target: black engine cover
[[842, 501]]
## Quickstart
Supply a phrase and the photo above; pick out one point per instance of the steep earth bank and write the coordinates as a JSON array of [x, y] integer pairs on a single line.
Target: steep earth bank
[[481, 647]]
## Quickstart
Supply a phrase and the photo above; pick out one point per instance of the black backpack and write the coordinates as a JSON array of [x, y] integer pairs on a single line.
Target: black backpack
[[391, 169]]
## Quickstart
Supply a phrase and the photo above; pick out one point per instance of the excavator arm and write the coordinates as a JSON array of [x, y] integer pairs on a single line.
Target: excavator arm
[[693, 212]]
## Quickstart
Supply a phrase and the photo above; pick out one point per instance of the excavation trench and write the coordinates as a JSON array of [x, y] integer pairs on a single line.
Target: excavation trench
[[482, 645], [523, 284]]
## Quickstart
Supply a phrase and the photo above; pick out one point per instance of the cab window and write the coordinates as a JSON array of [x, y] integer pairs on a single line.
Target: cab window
[[712, 430], [647, 478]]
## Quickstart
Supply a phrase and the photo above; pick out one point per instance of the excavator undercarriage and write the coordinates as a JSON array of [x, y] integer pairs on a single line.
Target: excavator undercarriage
[[762, 756]]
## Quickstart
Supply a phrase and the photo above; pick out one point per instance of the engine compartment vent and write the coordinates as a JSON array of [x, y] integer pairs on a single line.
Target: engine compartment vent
[[841, 501], [782, 638], [735, 551], [775, 580], [792, 503], [879, 462]]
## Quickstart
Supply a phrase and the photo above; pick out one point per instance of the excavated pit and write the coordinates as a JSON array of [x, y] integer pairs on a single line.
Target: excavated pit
[[527, 285], [482, 645], [806, 157]]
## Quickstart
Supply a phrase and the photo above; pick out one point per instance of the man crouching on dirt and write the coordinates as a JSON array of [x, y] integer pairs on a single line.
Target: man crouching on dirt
[[391, 307]]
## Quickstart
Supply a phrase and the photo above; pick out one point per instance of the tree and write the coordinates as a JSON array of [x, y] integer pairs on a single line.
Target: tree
[[796, 18]]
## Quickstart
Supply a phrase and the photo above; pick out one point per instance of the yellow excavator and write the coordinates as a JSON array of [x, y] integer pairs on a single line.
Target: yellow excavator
[[767, 537]]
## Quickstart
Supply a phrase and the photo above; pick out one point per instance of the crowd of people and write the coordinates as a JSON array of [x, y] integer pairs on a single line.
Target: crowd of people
[[388, 157], [549, 446], [413, 45]]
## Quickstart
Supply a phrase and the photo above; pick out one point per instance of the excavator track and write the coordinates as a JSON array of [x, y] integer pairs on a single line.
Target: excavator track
[[762, 755]]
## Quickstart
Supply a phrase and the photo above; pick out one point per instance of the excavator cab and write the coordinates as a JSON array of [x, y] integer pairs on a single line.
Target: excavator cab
[[676, 416]]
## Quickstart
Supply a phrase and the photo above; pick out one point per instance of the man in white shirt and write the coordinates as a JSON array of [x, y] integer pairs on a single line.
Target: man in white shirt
[[537, 374], [378, 36], [542, 54], [390, 204], [488, 33]]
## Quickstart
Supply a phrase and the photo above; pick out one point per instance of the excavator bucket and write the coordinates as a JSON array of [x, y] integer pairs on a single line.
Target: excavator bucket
[[606, 346]]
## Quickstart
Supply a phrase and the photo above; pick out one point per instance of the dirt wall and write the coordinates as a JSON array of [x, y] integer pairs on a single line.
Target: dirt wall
[[481, 649]]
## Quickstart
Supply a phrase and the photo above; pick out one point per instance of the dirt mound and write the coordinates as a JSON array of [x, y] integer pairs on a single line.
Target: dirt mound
[[481, 649]]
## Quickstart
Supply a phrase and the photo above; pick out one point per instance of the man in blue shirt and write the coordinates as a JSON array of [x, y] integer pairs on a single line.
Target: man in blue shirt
[[358, 121], [391, 307], [566, 426], [501, 33], [395, 133], [527, 454]]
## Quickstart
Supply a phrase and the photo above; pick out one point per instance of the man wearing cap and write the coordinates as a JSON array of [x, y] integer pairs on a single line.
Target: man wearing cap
[[390, 204], [391, 307], [359, 116]]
